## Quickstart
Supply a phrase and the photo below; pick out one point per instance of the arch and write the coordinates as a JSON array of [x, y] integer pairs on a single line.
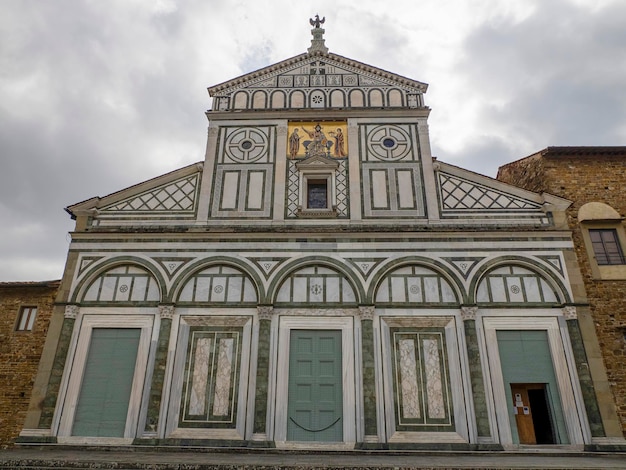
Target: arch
[[597, 211], [328, 273], [337, 99], [121, 280], [199, 284], [240, 100], [517, 281], [357, 99], [277, 100], [395, 98], [415, 280], [259, 100], [376, 98], [296, 99]]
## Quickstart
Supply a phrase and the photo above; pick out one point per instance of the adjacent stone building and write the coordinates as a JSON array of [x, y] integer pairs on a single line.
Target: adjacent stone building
[[320, 281], [593, 178], [25, 309]]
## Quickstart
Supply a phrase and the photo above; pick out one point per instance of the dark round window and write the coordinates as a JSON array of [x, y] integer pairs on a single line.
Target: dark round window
[[246, 145], [389, 142]]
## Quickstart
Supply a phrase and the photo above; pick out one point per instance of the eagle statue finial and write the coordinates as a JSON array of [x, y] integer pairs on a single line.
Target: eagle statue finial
[[317, 22]]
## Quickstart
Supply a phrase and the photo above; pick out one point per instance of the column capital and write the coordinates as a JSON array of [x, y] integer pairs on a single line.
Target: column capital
[[265, 312], [569, 312], [71, 311], [366, 312], [166, 312], [468, 312]]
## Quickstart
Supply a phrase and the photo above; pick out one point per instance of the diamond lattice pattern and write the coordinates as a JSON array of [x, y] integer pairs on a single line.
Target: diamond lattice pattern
[[461, 194], [176, 196]]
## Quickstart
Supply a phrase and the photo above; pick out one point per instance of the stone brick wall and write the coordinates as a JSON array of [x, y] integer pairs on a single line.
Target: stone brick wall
[[20, 350], [587, 176]]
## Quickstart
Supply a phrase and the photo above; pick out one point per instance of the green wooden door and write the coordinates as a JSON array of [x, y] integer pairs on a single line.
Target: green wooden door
[[315, 404], [107, 381]]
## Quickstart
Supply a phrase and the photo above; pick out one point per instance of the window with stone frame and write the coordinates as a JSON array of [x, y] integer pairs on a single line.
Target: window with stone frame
[[606, 246], [26, 319]]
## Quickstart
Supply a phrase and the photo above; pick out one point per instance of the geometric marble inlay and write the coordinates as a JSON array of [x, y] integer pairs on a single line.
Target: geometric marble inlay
[[460, 194]]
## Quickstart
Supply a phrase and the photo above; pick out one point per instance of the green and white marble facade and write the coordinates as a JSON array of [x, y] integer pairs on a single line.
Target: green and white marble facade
[[417, 263]]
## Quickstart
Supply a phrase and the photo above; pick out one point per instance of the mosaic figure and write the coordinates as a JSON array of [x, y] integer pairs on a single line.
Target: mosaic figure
[[339, 150], [294, 143]]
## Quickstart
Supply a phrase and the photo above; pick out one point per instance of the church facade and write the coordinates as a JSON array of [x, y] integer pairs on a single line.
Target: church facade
[[320, 281]]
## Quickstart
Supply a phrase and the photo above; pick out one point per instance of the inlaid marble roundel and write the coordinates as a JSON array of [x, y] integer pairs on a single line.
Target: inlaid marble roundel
[[246, 145], [389, 143]]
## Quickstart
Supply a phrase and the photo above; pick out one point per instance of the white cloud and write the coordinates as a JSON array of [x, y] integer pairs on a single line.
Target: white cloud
[[98, 96]]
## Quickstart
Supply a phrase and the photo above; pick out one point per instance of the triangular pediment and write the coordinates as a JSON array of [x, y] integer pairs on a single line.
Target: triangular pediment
[[325, 72], [317, 162], [173, 194], [465, 193]]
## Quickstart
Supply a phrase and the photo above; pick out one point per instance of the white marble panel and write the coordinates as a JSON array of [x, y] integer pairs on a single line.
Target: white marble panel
[[382, 295], [405, 189], [200, 375], [434, 387], [380, 190], [348, 292], [398, 293], [124, 284], [249, 293], [203, 285], [255, 189], [138, 292], [221, 402], [107, 292], [230, 189], [431, 289], [332, 289], [531, 284], [218, 291], [514, 285], [234, 289], [316, 289], [408, 379], [416, 294], [497, 289], [548, 292], [186, 294], [300, 289]]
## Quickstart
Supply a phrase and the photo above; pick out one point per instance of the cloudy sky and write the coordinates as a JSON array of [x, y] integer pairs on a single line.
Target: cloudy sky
[[96, 96]]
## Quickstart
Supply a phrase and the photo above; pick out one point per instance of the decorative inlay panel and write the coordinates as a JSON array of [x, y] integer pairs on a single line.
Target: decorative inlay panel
[[390, 142], [315, 284], [219, 285], [460, 194], [414, 284], [178, 196], [421, 380], [123, 284], [209, 397], [246, 145], [514, 284]]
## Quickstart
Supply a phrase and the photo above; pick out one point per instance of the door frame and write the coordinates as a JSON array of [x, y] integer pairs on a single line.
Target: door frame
[[75, 369], [348, 366], [564, 371]]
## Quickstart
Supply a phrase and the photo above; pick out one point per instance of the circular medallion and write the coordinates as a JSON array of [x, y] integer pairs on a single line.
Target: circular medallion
[[123, 288], [218, 289], [515, 289]]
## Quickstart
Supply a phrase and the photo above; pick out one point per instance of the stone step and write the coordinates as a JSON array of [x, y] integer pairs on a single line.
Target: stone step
[[132, 458]]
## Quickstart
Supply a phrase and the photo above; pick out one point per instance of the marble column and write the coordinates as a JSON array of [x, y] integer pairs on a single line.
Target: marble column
[[262, 371], [584, 376], [158, 375], [60, 357], [468, 314], [369, 371]]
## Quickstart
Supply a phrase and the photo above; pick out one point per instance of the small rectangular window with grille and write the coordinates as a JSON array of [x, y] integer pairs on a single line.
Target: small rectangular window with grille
[[26, 319], [606, 246]]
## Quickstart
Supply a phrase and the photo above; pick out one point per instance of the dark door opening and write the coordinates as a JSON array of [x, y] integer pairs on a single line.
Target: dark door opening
[[532, 414]]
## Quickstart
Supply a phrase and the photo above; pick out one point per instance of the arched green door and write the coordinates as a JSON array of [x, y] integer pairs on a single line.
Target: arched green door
[[315, 404]]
